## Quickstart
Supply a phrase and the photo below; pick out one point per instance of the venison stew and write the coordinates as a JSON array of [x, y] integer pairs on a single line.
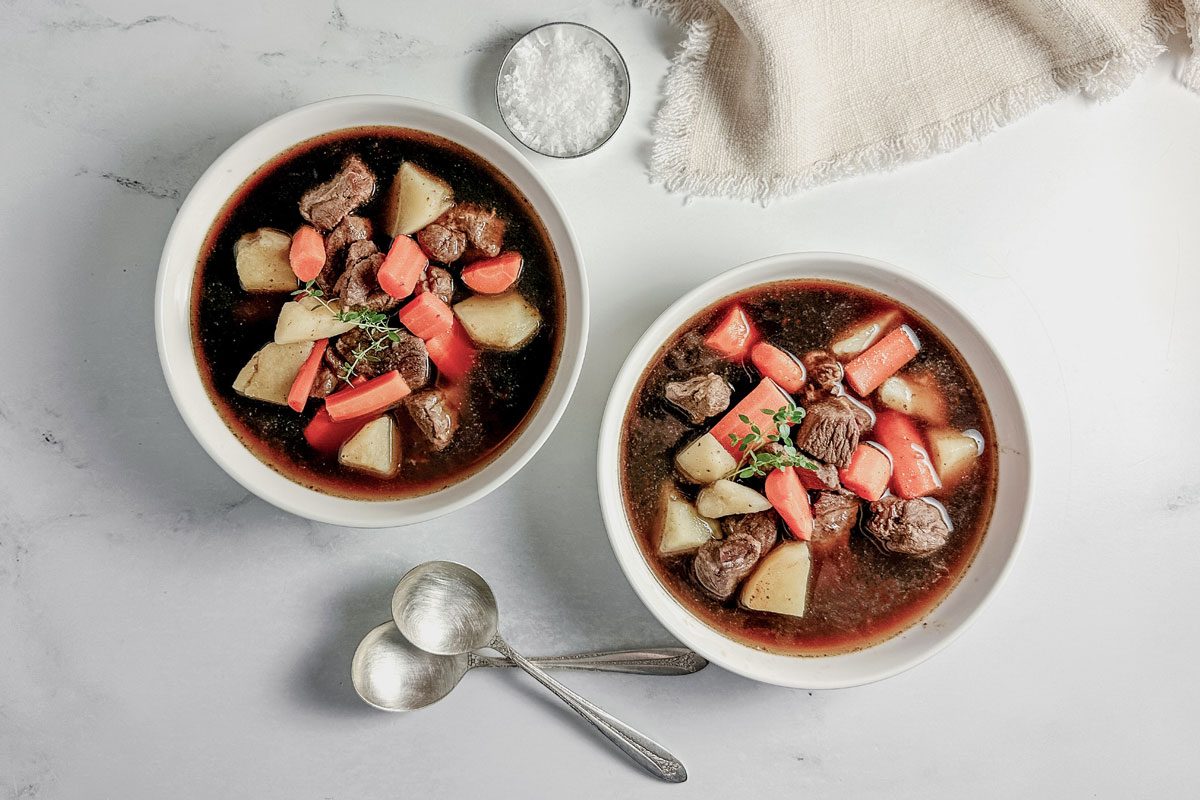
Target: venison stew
[[377, 313], [808, 466]]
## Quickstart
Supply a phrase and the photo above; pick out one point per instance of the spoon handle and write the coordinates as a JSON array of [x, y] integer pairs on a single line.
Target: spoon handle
[[648, 661], [648, 754]]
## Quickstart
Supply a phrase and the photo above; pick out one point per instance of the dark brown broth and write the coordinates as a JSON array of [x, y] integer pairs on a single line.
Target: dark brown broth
[[857, 600], [229, 325]]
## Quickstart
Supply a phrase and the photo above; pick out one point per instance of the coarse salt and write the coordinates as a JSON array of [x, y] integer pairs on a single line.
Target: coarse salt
[[562, 91]]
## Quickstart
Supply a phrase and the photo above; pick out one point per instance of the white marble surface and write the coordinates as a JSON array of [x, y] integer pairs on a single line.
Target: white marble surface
[[163, 634]]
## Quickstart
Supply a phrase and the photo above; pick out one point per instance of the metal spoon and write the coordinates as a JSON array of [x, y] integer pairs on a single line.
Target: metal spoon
[[448, 609], [392, 674]]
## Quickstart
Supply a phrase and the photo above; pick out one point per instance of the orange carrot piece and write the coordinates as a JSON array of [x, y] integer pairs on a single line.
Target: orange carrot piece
[[452, 352], [778, 365], [302, 386], [426, 316], [493, 275], [733, 335], [789, 498], [869, 472], [402, 267], [913, 474], [882, 360], [307, 253], [759, 407], [326, 436], [376, 395]]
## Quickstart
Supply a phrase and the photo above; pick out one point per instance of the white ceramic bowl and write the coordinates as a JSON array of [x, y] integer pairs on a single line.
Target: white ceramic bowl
[[996, 552], [178, 267]]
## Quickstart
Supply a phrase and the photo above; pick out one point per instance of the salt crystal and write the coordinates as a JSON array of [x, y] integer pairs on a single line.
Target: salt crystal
[[562, 91]]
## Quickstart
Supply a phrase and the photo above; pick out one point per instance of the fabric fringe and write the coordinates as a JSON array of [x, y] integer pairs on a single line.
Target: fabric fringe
[[1101, 79]]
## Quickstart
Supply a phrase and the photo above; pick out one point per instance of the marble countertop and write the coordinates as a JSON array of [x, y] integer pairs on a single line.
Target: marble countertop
[[165, 634]]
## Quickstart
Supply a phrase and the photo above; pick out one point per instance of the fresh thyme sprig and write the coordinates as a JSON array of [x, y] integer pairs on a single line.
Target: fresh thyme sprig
[[375, 323], [757, 462]]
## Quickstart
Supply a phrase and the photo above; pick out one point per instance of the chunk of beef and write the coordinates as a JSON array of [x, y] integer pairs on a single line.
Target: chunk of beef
[[438, 281], [691, 355], [700, 397], [720, 564], [434, 415], [442, 243], [911, 527], [326, 382], [351, 229], [483, 226], [830, 431], [822, 369], [328, 204], [827, 474], [358, 287], [407, 355], [834, 515]]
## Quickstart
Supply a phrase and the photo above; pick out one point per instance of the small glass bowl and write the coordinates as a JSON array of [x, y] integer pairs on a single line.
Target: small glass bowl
[[581, 33]]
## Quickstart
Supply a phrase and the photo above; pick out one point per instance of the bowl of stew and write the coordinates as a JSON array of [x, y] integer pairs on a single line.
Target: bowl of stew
[[371, 311], [814, 470]]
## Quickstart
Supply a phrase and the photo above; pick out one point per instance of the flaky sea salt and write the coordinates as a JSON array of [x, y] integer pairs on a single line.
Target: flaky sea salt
[[562, 90]]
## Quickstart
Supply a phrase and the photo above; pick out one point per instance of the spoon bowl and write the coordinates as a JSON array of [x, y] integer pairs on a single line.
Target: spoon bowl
[[392, 674], [445, 608]]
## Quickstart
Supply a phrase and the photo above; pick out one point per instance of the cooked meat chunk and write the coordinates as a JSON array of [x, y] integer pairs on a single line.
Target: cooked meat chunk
[[438, 281], [407, 355], [691, 355], [834, 516], [911, 527], [721, 564], [823, 370], [351, 229], [442, 243], [830, 431], [827, 474], [358, 287], [435, 417], [483, 227], [326, 382], [328, 204], [700, 397]]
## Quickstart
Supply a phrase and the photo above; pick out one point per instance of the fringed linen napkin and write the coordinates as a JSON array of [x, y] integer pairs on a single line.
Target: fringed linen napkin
[[770, 97]]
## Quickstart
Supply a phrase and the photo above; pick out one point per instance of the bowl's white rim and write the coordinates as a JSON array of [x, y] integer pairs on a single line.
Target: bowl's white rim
[[631, 560], [319, 506]]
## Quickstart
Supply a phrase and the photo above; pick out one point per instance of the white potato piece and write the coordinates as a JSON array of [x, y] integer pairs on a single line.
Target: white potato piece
[[916, 394], [723, 498], [499, 322], [780, 582], [953, 452], [705, 460], [270, 372], [683, 528], [417, 198], [864, 334], [375, 449], [306, 320], [262, 261]]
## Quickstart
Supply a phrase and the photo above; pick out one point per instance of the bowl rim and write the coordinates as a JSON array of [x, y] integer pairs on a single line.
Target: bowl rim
[[633, 562], [177, 272]]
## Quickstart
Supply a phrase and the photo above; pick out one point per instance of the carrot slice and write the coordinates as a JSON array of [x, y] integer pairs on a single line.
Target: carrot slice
[[913, 474], [493, 275], [790, 500], [778, 365], [759, 407], [302, 387], [307, 253], [452, 352], [326, 436], [733, 335], [426, 316], [402, 267], [869, 472], [882, 360], [376, 395]]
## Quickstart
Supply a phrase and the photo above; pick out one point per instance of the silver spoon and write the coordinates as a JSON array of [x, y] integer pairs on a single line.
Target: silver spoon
[[448, 609], [392, 674]]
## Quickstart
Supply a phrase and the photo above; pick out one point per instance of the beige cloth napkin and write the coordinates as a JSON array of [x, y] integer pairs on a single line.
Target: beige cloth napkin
[[769, 97]]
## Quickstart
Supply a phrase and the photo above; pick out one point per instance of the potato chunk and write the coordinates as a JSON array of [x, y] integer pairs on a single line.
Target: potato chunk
[[780, 582], [953, 452], [262, 261], [499, 322], [270, 372], [306, 320], [375, 449], [683, 528], [705, 460], [722, 498], [417, 198], [916, 394], [864, 334]]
